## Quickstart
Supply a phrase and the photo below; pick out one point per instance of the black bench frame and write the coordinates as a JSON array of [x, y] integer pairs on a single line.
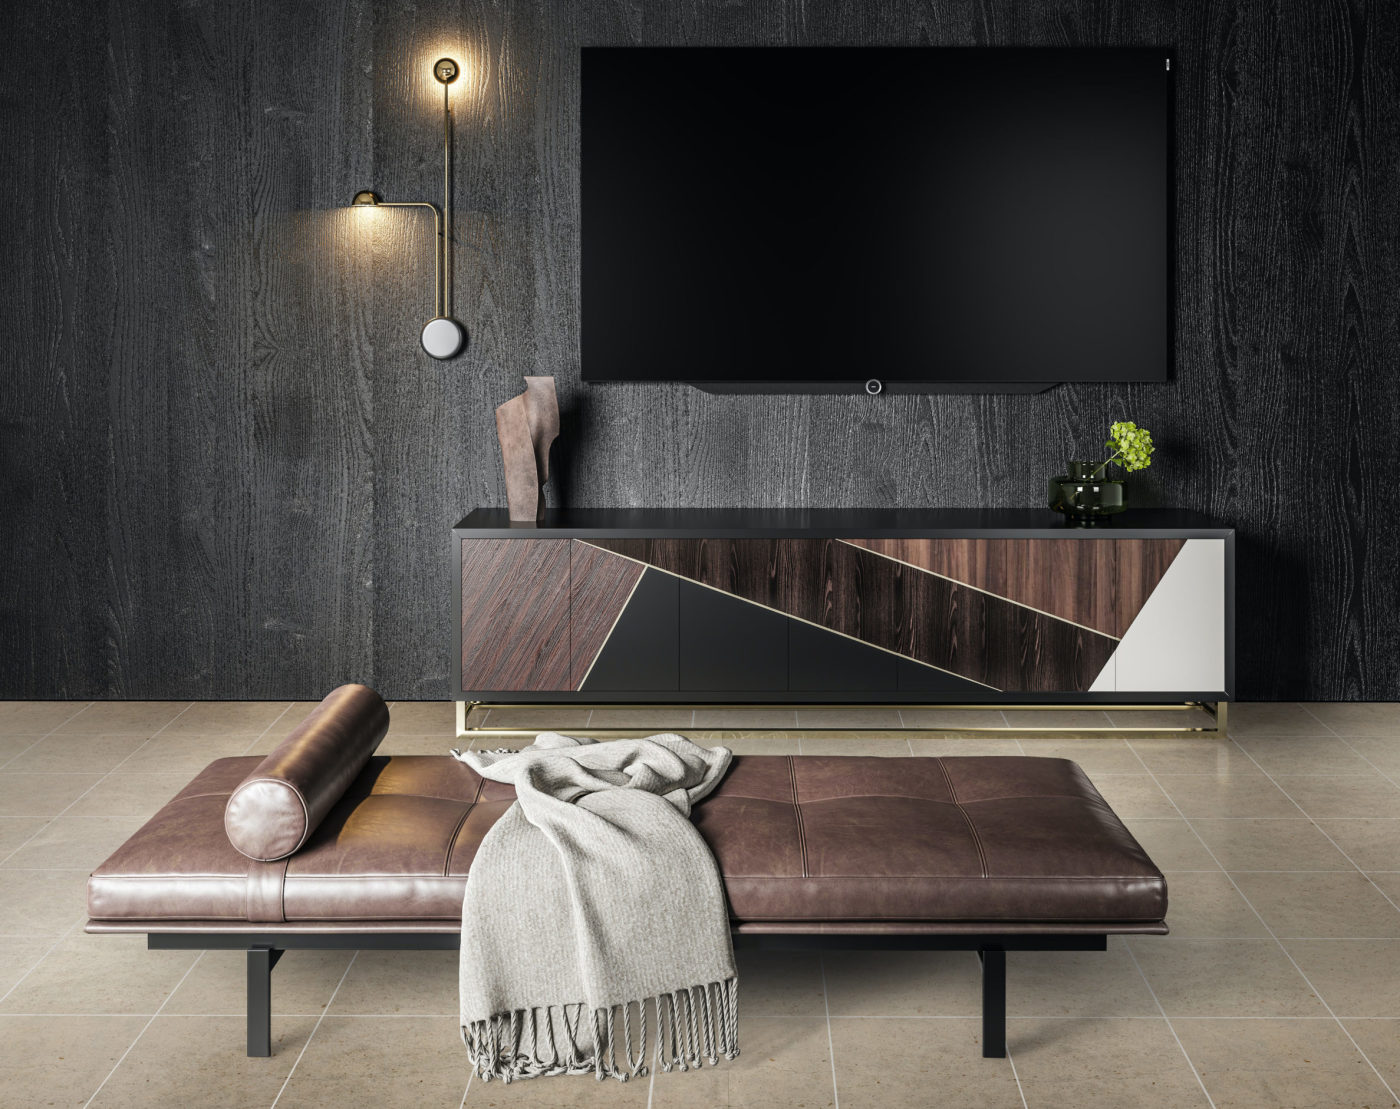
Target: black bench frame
[[265, 948]]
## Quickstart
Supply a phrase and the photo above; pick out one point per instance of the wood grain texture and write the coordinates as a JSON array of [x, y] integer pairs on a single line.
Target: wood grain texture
[[55, 366], [515, 614], [888, 604], [1100, 584], [229, 470], [600, 584]]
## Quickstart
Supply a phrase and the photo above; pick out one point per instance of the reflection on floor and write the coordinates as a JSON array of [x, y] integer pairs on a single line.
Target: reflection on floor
[[1279, 985]]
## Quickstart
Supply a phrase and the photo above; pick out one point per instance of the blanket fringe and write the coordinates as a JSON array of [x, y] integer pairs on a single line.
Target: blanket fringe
[[693, 1026]]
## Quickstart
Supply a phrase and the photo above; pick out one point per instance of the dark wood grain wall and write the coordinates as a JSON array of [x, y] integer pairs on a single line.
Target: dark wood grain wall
[[227, 470]]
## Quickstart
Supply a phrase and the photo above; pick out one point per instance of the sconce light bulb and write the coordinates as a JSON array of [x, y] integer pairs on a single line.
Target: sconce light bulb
[[446, 70], [365, 197]]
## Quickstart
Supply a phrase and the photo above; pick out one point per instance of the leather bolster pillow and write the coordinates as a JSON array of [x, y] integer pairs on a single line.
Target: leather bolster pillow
[[275, 809]]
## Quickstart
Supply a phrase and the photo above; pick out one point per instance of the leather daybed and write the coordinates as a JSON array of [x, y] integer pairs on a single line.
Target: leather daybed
[[338, 848]]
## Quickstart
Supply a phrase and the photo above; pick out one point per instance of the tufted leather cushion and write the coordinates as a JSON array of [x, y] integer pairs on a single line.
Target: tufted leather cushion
[[804, 843], [277, 806]]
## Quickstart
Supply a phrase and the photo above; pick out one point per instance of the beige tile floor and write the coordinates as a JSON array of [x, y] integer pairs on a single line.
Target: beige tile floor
[[1279, 985]]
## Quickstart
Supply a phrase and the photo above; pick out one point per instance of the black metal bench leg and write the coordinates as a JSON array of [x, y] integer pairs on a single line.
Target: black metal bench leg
[[261, 960], [993, 1002]]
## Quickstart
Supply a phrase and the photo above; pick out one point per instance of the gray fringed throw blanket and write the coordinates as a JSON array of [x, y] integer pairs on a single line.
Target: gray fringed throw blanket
[[595, 909]]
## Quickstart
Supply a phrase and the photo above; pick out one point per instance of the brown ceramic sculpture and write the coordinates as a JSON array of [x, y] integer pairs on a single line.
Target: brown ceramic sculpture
[[526, 426]]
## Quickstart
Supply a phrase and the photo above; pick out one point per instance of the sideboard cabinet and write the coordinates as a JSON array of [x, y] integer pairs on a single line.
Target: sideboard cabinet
[[861, 606]]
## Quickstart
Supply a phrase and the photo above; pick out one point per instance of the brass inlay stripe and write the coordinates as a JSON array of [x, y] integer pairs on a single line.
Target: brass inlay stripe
[[979, 589], [799, 619]]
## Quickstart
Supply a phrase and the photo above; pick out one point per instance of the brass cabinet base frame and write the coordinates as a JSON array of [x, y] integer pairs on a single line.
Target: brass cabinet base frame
[[1216, 710]]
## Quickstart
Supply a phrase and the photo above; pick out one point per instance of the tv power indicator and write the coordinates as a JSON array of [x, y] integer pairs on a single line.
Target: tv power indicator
[[873, 386]]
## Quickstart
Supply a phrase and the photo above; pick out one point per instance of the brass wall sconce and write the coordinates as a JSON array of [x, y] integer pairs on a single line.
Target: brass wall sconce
[[442, 336]]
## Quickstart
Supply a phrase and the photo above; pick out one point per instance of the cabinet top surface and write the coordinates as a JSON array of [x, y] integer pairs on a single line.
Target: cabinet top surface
[[869, 523]]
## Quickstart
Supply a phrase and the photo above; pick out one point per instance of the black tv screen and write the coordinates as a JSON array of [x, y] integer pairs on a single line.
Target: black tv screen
[[928, 217]]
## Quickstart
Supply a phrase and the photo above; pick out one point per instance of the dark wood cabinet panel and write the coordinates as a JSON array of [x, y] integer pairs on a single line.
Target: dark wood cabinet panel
[[1139, 568], [515, 614], [895, 606], [986, 638], [1100, 585]]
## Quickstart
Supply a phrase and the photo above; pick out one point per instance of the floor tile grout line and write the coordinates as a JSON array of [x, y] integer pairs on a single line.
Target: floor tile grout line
[[1304, 706], [1016, 1075], [21, 754], [139, 747], [1170, 1027], [37, 831], [144, 1028], [35, 966], [1367, 761], [142, 745], [269, 728], [316, 1028], [830, 1040], [1321, 829], [1265, 925], [1346, 742]]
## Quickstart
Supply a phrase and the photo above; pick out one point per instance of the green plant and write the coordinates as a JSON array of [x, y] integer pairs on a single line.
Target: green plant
[[1132, 447]]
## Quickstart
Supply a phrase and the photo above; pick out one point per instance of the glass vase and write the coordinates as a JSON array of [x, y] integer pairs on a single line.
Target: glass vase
[[1087, 500]]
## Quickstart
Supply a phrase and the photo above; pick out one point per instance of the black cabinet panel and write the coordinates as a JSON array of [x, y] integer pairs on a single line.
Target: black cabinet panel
[[641, 653], [820, 660], [728, 644]]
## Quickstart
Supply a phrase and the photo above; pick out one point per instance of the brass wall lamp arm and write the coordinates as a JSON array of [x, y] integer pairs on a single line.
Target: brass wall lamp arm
[[368, 198], [442, 336]]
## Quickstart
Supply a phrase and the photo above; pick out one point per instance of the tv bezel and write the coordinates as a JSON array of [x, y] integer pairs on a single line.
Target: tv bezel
[[903, 385]]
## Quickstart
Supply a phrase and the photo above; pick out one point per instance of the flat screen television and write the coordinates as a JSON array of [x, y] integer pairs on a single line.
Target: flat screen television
[[925, 219]]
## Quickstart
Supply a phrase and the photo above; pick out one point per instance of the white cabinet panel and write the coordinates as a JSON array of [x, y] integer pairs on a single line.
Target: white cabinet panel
[[1177, 641]]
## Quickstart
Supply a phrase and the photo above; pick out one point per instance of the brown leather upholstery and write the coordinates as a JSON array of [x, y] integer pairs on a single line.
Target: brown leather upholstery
[[805, 844], [278, 805]]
